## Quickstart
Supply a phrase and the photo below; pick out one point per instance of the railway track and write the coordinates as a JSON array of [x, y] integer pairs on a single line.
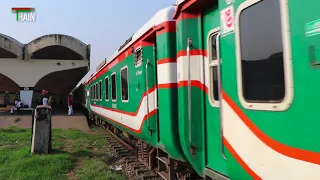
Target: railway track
[[138, 160], [126, 156]]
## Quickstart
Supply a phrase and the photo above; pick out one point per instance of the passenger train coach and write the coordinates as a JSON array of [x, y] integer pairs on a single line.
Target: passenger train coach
[[226, 88]]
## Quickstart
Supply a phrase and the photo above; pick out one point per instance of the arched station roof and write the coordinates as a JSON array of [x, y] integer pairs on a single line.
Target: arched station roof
[[10, 47], [51, 46]]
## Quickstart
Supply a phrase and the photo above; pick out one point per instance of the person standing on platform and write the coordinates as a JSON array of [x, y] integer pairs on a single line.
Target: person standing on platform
[[70, 110], [19, 105], [45, 100]]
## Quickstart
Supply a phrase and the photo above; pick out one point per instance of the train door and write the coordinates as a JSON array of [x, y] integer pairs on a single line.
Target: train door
[[215, 158], [151, 90], [148, 63]]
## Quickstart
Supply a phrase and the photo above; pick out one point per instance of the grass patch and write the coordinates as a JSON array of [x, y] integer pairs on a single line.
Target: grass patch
[[76, 155]]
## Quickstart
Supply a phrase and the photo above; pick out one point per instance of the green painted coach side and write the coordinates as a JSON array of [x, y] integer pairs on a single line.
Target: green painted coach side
[[168, 100], [214, 157], [297, 126], [135, 95], [167, 97], [189, 28], [166, 45], [290, 133], [229, 83]]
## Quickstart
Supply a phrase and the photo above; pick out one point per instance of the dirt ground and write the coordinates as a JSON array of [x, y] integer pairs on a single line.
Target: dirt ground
[[77, 121]]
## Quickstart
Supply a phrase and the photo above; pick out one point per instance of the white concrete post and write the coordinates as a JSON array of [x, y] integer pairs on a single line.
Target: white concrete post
[[41, 130]]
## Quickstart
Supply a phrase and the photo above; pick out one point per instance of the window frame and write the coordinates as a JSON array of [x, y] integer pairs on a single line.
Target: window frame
[[138, 62], [92, 92], [100, 90], [123, 68], [106, 88], [95, 92], [212, 63], [91, 96], [115, 75], [287, 60], [87, 94]]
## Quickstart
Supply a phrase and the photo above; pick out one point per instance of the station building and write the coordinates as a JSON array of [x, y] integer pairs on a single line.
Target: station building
[[53, 62]]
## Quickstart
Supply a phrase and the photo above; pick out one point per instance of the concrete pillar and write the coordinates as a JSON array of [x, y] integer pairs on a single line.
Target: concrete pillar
[[26, 94], [41, 130]]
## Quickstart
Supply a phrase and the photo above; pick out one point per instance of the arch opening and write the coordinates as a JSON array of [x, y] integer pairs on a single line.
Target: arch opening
[[7, 54], [9, 87], [59, 83], [56, 52]]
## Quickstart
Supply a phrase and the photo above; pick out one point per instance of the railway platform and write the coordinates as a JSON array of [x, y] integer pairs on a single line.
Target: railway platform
[[60, 119], [53, 62]]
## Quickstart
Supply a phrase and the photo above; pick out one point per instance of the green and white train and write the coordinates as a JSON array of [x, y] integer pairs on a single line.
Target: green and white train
[[227, 89]]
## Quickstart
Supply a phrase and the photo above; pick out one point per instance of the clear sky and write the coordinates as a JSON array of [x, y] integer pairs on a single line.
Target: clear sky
[[105, 24]]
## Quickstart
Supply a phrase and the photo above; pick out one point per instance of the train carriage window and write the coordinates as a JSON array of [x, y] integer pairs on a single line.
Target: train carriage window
[[91, 93], [87, 94], [261, 50], [113, 87], [107, 88], [95, 92], [138, 57], [213, 68], [124, 84], [98, 95], [100, 90]]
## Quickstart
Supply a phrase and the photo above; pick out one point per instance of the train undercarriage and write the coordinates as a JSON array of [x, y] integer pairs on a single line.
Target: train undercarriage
[[155, 159]]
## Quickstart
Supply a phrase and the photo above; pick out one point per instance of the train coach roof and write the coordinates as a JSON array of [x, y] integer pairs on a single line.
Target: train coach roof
[[179, 2], [161, 16]]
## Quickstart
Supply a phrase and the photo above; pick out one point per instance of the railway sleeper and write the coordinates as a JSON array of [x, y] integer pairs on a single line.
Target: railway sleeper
[[129, 158], [119, 149], [123, 153], [142, 171], [134, 168], [136, 163], [128, 153], [143, 159], [129, 162], [151, 177]]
